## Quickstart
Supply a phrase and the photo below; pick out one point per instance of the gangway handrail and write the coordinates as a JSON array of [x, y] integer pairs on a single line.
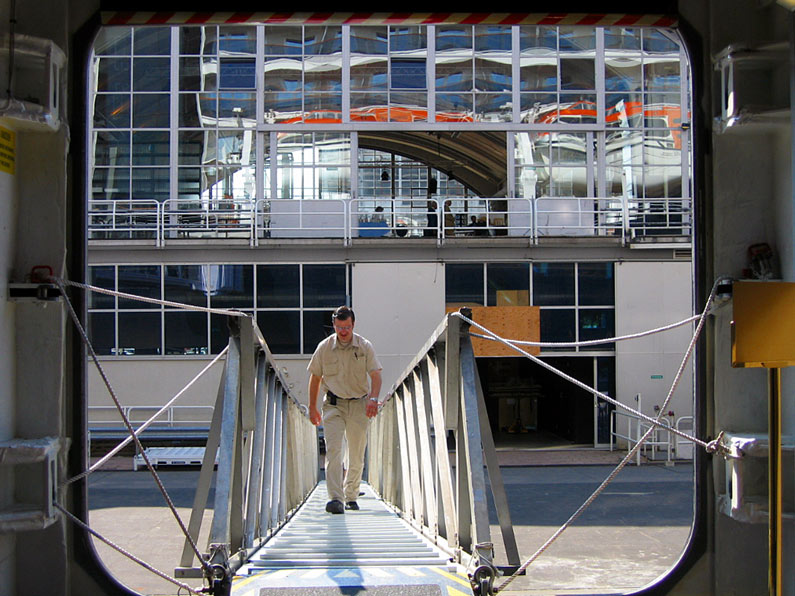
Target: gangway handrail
[[267, 457], [408, 461]]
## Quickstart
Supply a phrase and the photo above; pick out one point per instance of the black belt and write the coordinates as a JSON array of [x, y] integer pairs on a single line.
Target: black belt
[[332, 397]]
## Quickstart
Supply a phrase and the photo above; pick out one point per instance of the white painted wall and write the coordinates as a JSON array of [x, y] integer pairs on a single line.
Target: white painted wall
[[397, 306], [151, 382], [650, 295]]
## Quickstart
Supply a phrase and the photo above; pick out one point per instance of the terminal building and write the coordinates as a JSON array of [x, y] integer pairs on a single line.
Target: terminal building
[[284, 170]]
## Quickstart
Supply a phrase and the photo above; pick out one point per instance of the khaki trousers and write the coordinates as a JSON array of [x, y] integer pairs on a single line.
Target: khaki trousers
[[348, 420]]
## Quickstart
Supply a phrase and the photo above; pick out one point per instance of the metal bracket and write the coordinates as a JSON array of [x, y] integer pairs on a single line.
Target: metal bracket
[[33, 292]]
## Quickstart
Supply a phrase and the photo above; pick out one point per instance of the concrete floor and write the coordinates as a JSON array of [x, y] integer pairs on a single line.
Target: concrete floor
[[631, 535]]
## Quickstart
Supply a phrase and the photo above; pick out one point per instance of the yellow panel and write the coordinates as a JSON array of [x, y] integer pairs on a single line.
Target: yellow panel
[[522, 323], [763, 330]]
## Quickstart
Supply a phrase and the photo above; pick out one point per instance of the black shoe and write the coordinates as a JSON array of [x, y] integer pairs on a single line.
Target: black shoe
[[352, 505], [335, 506]]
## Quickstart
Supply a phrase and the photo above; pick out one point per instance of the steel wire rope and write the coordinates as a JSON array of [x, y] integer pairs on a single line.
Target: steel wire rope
[[595, 342], [630, 453], [205, 565], [217, 311], [126, 553], [581, 385], [98, 464]]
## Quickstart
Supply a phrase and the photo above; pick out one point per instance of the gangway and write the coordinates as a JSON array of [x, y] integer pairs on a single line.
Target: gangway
[[424, 517]]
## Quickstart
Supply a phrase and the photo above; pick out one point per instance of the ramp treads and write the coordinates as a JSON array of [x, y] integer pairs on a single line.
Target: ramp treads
[[371, 536]]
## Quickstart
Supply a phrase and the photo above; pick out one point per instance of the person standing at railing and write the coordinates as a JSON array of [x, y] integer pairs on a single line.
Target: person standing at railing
[[346, 368]]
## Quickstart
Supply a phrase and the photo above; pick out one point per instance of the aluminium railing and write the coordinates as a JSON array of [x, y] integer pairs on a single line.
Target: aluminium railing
[[112, 219], [216, 218], [267, 457], [400, 217], [305, 218], [627, 219], [408, 460]]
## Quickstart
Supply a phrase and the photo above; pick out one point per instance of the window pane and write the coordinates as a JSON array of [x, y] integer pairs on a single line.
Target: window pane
[[231, 286], [463, 284], [508, 284], [595, 284], [597, 323], [557, 325], [237, 74], [186, 284], [139, 333], [112, 148], [317, 327], [141, 280], [408, 73], [322, 40], [282, 330], [553, 284], [150, 110], [278, 286], [103, 277], [324, 285], [219, 332], [102, 332], [148, 41], [112, 41], [280, 41], [186, 333], [112, 110], [151, 74], [113, 74], [150, 148]]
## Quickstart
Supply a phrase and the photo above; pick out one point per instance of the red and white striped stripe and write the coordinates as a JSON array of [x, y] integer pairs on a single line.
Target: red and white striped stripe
[[384, 18]]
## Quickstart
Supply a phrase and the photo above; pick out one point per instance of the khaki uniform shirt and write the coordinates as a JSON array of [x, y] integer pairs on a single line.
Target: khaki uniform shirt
[[344, 369]]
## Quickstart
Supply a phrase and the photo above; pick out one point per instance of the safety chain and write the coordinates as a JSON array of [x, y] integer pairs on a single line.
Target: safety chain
[[127, 424], [711, 447], [127, 554]]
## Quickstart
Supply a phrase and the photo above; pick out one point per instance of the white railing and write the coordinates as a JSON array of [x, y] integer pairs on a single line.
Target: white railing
[[401, 217], [104, 417], [464, 217], [307, 218], [124, 220], [220, 218], [660, 437]]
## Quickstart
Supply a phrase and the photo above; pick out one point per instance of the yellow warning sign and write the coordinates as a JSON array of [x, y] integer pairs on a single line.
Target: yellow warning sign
[[8, 150]]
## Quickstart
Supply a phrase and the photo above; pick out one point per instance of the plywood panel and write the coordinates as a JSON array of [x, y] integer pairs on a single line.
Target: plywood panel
[[521, 323]]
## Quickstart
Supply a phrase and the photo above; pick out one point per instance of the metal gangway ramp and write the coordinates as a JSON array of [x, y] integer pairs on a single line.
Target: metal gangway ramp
[[423, 527], [366, 549]]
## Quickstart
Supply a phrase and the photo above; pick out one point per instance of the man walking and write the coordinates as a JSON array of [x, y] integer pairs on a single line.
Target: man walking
[[341, 366]]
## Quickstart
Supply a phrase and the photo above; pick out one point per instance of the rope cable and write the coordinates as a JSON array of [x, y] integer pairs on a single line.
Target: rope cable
[[595, 342], [582, 385], [205, 565], [630, 453], [217, 311], [146, 424], [126, 553]]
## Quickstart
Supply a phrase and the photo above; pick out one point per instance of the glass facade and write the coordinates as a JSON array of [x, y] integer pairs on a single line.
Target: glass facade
[[593, 122], [292, 305], [576, 300]]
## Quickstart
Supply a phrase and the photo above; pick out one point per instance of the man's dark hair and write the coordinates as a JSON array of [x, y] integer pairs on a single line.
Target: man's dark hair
[[343, 313]]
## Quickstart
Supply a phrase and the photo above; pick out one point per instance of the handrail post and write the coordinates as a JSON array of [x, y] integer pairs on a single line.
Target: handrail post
[[472, 440]]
